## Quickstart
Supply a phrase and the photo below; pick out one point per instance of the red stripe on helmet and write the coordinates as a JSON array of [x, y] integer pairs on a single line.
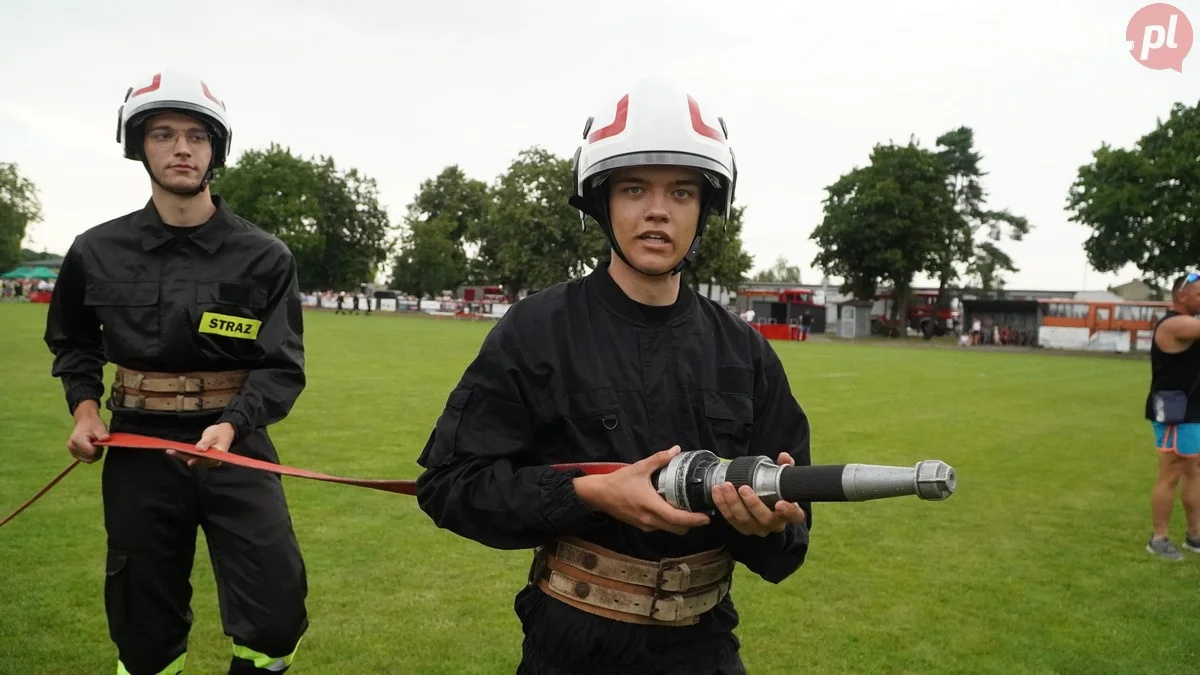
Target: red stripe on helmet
[[154, 84], [618, 124], [699, 125], [209, 94]]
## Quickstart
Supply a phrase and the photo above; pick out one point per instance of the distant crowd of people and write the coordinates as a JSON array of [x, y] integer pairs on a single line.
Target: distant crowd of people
[[347, 303], [991, 333], [20, 289]]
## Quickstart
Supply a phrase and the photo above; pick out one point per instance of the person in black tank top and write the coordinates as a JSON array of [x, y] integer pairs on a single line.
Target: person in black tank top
[[1174, 376]]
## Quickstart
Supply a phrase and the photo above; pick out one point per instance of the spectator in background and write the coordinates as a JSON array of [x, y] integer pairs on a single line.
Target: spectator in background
[[1173, 409]]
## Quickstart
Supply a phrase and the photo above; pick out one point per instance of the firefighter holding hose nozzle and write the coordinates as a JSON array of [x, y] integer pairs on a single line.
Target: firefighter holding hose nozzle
[[625, 365], [631, 570]]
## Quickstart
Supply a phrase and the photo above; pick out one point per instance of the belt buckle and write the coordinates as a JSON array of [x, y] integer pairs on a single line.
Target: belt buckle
[[664, 565], [673, 565], [538, 567], [198, 382]]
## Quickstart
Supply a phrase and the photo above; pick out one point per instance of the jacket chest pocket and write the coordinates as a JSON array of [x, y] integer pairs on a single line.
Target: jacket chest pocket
[[727, 423], [596, 427], [129, 313], [230, 314]]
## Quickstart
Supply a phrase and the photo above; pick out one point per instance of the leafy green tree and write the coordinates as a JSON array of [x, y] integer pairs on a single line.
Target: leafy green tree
[[984, 260], [532, 237], [429, 260], [524, 233], [453, 197], [1143, 204], [721, 260], [886, 222], [330, 219], [446, 211], [19, 208], [781, 272]]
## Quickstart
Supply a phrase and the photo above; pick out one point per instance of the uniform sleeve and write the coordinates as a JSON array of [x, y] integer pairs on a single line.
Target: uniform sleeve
[[276, 381], [780, 426], [73, 335], [481, 480]]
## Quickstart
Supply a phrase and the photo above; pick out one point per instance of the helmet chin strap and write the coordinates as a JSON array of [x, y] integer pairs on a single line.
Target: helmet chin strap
[[192, 192], [599, 211]]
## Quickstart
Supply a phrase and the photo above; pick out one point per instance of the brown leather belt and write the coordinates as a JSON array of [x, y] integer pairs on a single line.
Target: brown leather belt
[[670, 592], [176, 392]]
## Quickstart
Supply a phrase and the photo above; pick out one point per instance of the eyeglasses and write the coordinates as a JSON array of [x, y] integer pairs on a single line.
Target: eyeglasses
[[166, 136], [1191, 277]]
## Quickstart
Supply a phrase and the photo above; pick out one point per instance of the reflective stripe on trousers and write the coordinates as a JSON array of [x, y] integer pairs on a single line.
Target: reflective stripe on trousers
[[273, 664]]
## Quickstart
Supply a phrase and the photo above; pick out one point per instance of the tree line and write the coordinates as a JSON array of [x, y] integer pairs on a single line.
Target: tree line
[[516, 231], [910, 210], [914, 210], [519, 232]]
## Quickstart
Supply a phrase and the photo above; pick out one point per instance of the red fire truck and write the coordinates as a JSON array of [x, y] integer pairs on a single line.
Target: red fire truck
[[924, 315], [778, 313]]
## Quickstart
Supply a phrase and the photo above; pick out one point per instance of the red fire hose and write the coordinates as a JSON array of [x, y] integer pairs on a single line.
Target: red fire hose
[[404, 487]]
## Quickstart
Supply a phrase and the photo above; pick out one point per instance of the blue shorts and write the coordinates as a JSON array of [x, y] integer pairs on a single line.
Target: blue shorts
[[1182, 439]]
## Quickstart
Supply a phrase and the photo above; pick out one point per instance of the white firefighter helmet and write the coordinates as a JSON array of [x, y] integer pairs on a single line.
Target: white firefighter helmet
[[654, 123], [173, 91]]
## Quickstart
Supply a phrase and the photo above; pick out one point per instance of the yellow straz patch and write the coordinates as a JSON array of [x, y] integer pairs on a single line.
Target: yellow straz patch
[[229, 326]]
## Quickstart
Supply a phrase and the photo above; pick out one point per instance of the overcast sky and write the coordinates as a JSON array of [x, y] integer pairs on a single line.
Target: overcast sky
[[402, 89]]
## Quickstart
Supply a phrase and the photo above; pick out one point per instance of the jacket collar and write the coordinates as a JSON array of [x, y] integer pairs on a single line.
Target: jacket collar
[[208, 236], [611, 296]]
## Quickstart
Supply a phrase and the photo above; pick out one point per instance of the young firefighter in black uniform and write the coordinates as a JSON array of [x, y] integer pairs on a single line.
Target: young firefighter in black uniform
[[201, 314], [625, 365]]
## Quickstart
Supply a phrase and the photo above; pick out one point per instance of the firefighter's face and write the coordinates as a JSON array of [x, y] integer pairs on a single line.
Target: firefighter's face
[[178, 149], [654, 212]]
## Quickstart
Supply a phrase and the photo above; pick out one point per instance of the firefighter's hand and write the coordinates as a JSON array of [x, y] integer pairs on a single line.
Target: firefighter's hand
[[217, 437], [88, 427], [749, 515], [628, 495]]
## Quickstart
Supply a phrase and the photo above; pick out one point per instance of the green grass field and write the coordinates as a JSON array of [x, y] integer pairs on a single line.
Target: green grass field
[[1037, 565]]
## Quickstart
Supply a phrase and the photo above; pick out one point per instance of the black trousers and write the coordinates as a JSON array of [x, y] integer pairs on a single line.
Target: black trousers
[[729, 664], [153, 505], [562, 640]]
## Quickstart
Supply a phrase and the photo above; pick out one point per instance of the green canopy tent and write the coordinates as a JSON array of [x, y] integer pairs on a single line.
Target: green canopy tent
[[42, 273], [19, 273]]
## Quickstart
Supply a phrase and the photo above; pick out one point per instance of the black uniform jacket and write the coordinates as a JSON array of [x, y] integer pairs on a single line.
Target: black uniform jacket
[[581, 373], [147, 296]]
